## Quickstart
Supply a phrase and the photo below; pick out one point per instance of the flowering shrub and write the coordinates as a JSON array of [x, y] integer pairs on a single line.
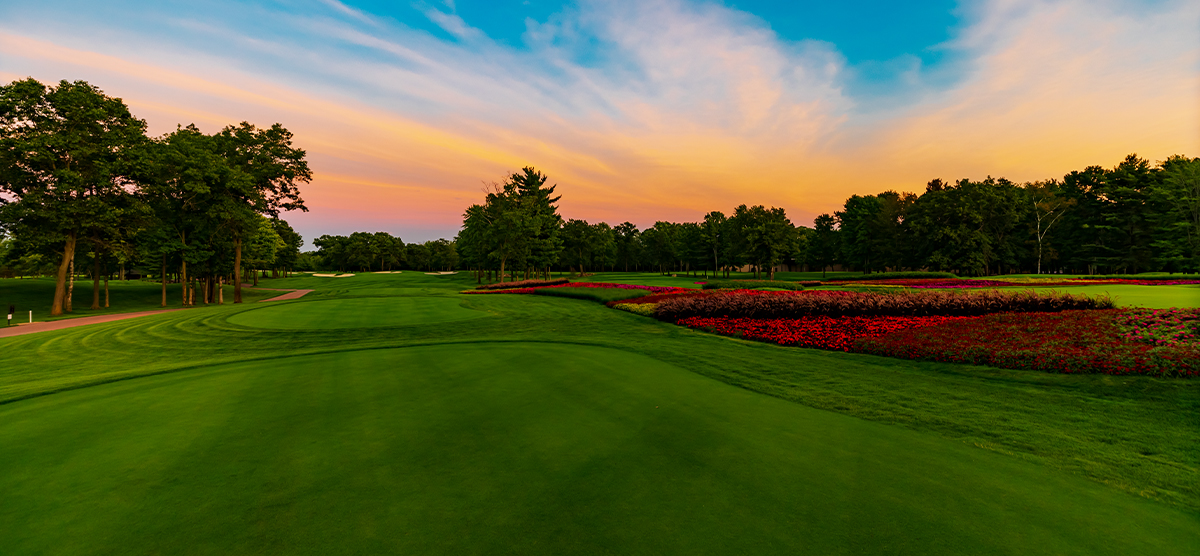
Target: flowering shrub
[[1170, 327], [652, 289], [821, 332], [1066, 342], [654, 298], [644, 309], [771, 305], [751, 284], [522, 284]]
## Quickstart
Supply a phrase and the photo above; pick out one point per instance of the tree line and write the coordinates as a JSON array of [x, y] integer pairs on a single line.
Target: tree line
[[1133, 217], [365, 252], [517, 231], [81, 182]]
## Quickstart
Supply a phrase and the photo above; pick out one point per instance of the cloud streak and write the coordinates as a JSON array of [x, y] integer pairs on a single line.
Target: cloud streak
[[643, 110]]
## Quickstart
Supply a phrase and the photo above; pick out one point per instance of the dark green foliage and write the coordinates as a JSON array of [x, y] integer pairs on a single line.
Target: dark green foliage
[[601, 295], [894, 276], [752, 285]]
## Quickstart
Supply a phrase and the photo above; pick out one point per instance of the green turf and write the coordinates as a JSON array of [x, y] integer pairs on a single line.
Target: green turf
[[125, 296], [525, 448], [1154, 297], [530, 431], [360, 312]]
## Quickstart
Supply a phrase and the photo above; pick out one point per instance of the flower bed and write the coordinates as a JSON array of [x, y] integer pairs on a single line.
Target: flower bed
[[1170, 327], [652, 289], [522, 284], [770, 305], [821, 332], [1066, 342]]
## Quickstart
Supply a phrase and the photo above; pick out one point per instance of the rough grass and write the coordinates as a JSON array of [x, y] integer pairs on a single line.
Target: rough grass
[[469, 446]]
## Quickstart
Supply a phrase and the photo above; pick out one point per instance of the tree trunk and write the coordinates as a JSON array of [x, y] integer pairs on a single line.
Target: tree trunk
[[71, 286], [221, 290], [163, 276], [95, 281], [255, 273], [237, 270], [502, 270], [60, 284], [183, 281], [105, 291]]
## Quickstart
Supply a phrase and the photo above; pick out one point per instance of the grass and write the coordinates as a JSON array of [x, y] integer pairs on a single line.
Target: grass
[[1153, 297], [554, 426], [128, 296]]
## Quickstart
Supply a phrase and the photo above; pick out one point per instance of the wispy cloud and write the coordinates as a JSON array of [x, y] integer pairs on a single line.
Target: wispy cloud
[[647, 110]]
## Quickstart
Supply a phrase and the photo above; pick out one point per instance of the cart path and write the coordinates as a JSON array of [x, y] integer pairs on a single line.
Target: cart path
[[292, 294], [32, 328], [22, 329]]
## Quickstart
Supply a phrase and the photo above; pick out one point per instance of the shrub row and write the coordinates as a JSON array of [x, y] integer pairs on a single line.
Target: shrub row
[[752, 284], [767, 305], [602, 295], [893, 276], [523, 284]]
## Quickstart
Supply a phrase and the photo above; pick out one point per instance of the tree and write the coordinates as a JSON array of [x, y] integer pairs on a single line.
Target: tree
[[823, 249], [275, 169], [628, 244], [769, 236], [289, 253], [1048, 208], [577, 236], [714, 231], [65, 156], [1177, 202], [538, 202]]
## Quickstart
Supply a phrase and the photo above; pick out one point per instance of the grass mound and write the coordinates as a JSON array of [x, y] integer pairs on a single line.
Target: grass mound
[[893, 276]]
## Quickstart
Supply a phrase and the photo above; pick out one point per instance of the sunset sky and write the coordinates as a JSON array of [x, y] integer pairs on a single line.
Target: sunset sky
[[639, 110]]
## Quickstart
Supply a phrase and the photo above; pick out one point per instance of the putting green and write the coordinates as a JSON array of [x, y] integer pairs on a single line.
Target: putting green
[[360, 312], [522, 448]]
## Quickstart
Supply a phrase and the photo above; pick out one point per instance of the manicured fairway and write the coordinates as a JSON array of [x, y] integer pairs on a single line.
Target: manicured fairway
[[556, 426], [362, 312], [1153, 297], [537, 448]]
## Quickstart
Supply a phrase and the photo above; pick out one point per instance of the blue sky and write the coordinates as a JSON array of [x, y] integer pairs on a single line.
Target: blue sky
[[640, 110]]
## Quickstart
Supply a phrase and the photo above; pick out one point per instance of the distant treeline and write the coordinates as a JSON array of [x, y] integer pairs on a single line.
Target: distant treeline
[[362, 251], [1134, 217], [82, 186]]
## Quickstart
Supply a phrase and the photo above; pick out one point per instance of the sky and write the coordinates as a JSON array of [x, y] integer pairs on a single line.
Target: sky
[[638, 110]]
